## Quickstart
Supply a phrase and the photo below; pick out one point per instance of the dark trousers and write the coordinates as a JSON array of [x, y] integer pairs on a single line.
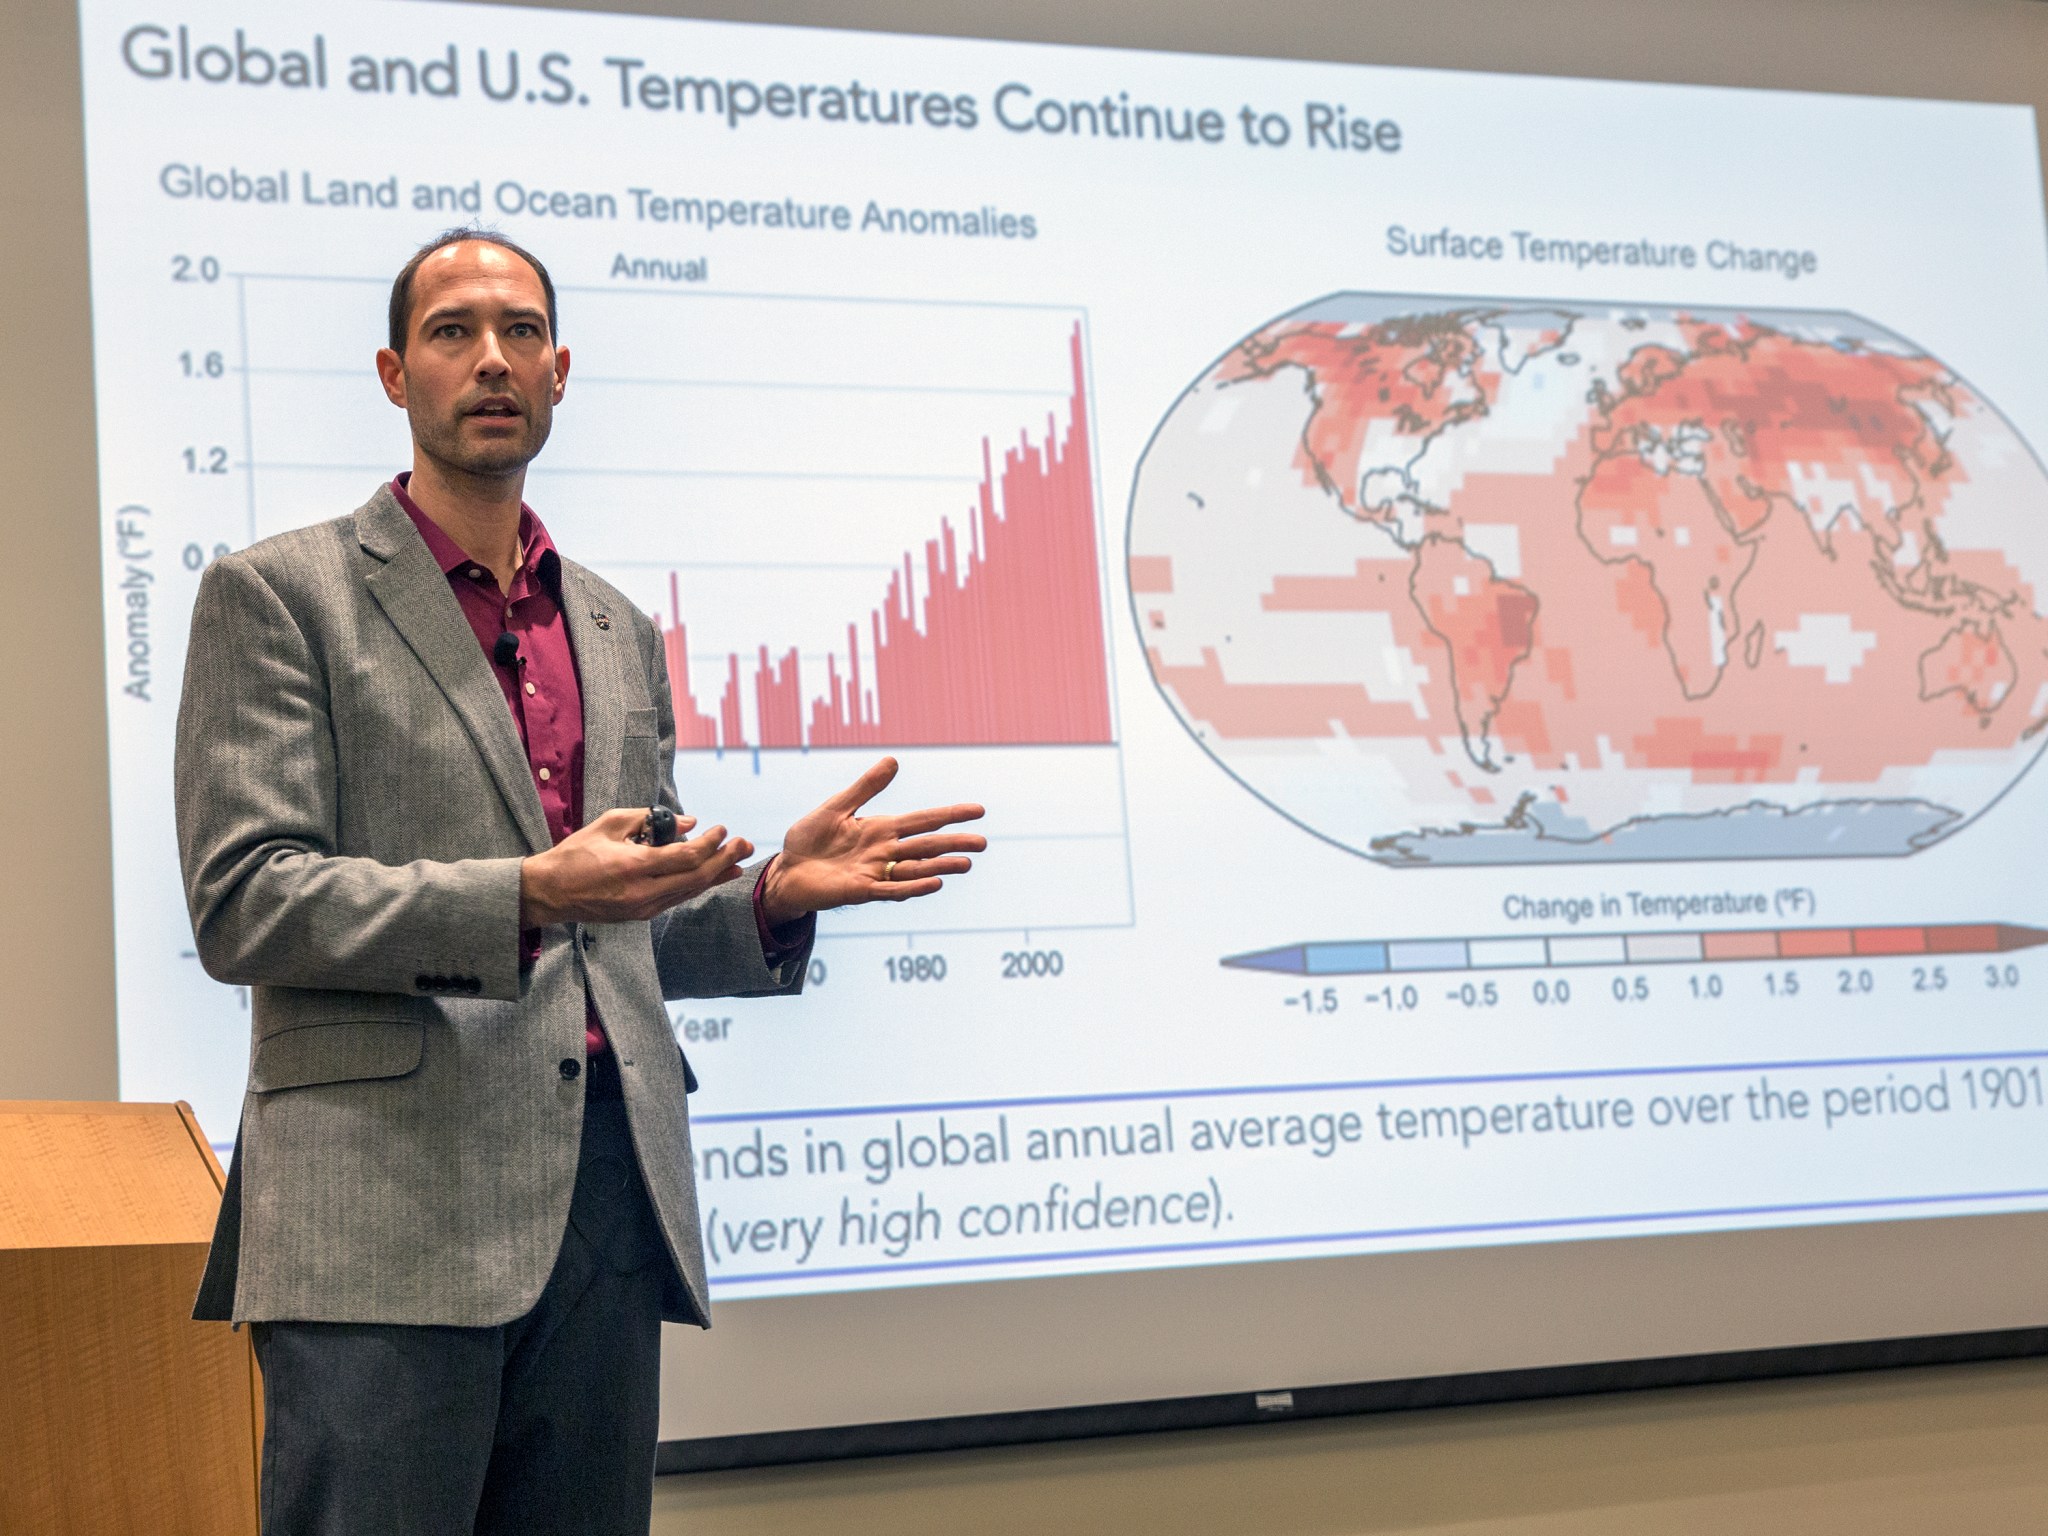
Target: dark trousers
[[545, 1424]]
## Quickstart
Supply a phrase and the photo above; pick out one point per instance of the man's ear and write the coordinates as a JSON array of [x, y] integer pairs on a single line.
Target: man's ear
[[391, 374], [561, 373]]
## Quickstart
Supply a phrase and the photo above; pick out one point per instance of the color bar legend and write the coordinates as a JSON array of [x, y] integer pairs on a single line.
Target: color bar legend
[[1375, 957]]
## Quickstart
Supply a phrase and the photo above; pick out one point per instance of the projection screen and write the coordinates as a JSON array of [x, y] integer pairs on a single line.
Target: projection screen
[[1499, 620]]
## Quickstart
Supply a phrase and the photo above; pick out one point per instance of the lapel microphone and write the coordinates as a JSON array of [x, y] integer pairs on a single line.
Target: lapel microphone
[[506, 651]]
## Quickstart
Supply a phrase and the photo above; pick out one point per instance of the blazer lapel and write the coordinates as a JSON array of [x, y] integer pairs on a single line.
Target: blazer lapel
[[413, 592], [600, 660]]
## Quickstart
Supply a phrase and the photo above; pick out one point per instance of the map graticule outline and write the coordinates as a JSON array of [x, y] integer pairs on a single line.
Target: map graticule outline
[[1864, 821]]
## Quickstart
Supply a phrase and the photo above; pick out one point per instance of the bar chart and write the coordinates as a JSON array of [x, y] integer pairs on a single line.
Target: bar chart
[[1007, 651]]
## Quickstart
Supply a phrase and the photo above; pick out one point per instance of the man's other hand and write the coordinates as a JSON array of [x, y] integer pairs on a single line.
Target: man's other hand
[[598, 874], [837, 858]]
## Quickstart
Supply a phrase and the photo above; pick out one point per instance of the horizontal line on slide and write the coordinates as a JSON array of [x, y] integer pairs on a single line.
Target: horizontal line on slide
[[1467, 1229], [1381, 1085]]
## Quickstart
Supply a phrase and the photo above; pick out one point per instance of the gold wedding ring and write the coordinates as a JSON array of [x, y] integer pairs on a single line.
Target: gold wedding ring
[[889, 870]]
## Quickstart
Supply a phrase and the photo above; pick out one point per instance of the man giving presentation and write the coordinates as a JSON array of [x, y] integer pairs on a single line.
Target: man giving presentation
[[424, 782]]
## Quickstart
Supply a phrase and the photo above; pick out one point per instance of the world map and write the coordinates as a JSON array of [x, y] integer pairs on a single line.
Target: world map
[[1491, 582]]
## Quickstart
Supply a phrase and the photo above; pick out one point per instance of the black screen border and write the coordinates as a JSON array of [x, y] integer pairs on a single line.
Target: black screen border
[[982, 1431]]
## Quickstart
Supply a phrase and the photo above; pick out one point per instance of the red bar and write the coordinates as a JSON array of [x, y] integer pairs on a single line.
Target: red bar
[[733, 734], [1739, 946], [1008, 648], [1963, 939], [1815, 943], [694, 729], [778, 703], [1891, 941]]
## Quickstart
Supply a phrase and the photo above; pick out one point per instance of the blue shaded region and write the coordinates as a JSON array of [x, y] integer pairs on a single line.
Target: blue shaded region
[[1290, 959], [1431, 955], [1346, 959]]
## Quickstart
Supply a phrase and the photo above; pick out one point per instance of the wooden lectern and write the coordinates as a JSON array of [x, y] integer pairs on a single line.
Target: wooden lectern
[[118, 1413]]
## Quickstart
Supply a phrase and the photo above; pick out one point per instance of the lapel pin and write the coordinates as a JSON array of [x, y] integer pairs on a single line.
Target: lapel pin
[[603, 619]]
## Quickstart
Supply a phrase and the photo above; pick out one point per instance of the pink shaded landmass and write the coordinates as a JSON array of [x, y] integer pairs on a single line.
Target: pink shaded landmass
[[1426, 373]]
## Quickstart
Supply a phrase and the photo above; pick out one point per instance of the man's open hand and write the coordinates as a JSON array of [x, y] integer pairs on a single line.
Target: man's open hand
[[835, 857], [598, 874]]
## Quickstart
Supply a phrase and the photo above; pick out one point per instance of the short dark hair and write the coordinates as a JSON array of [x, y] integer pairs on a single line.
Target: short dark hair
[[401, 286]]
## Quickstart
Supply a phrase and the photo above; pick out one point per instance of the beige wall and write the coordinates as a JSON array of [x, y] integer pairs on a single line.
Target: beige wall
[[1953, 1450], [56, 897], [1961, 1451]]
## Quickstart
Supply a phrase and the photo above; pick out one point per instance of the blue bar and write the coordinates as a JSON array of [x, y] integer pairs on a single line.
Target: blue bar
[[1347, 959], [1290, 959], [1429, 955]]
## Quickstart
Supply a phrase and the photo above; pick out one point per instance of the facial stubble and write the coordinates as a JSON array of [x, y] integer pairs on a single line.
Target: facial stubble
[[442, 440]]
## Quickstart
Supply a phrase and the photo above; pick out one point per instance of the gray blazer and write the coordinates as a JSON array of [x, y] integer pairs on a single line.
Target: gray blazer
[[352, 806]]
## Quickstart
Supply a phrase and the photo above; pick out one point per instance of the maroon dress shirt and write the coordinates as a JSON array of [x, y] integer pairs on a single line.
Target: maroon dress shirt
[[545, 694]]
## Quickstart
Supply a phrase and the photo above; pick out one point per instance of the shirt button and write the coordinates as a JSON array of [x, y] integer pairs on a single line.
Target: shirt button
[[529, 687], [474, 571], [545, 775]]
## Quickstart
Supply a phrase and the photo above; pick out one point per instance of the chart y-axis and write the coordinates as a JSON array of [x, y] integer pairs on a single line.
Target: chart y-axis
[[248, 430]]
